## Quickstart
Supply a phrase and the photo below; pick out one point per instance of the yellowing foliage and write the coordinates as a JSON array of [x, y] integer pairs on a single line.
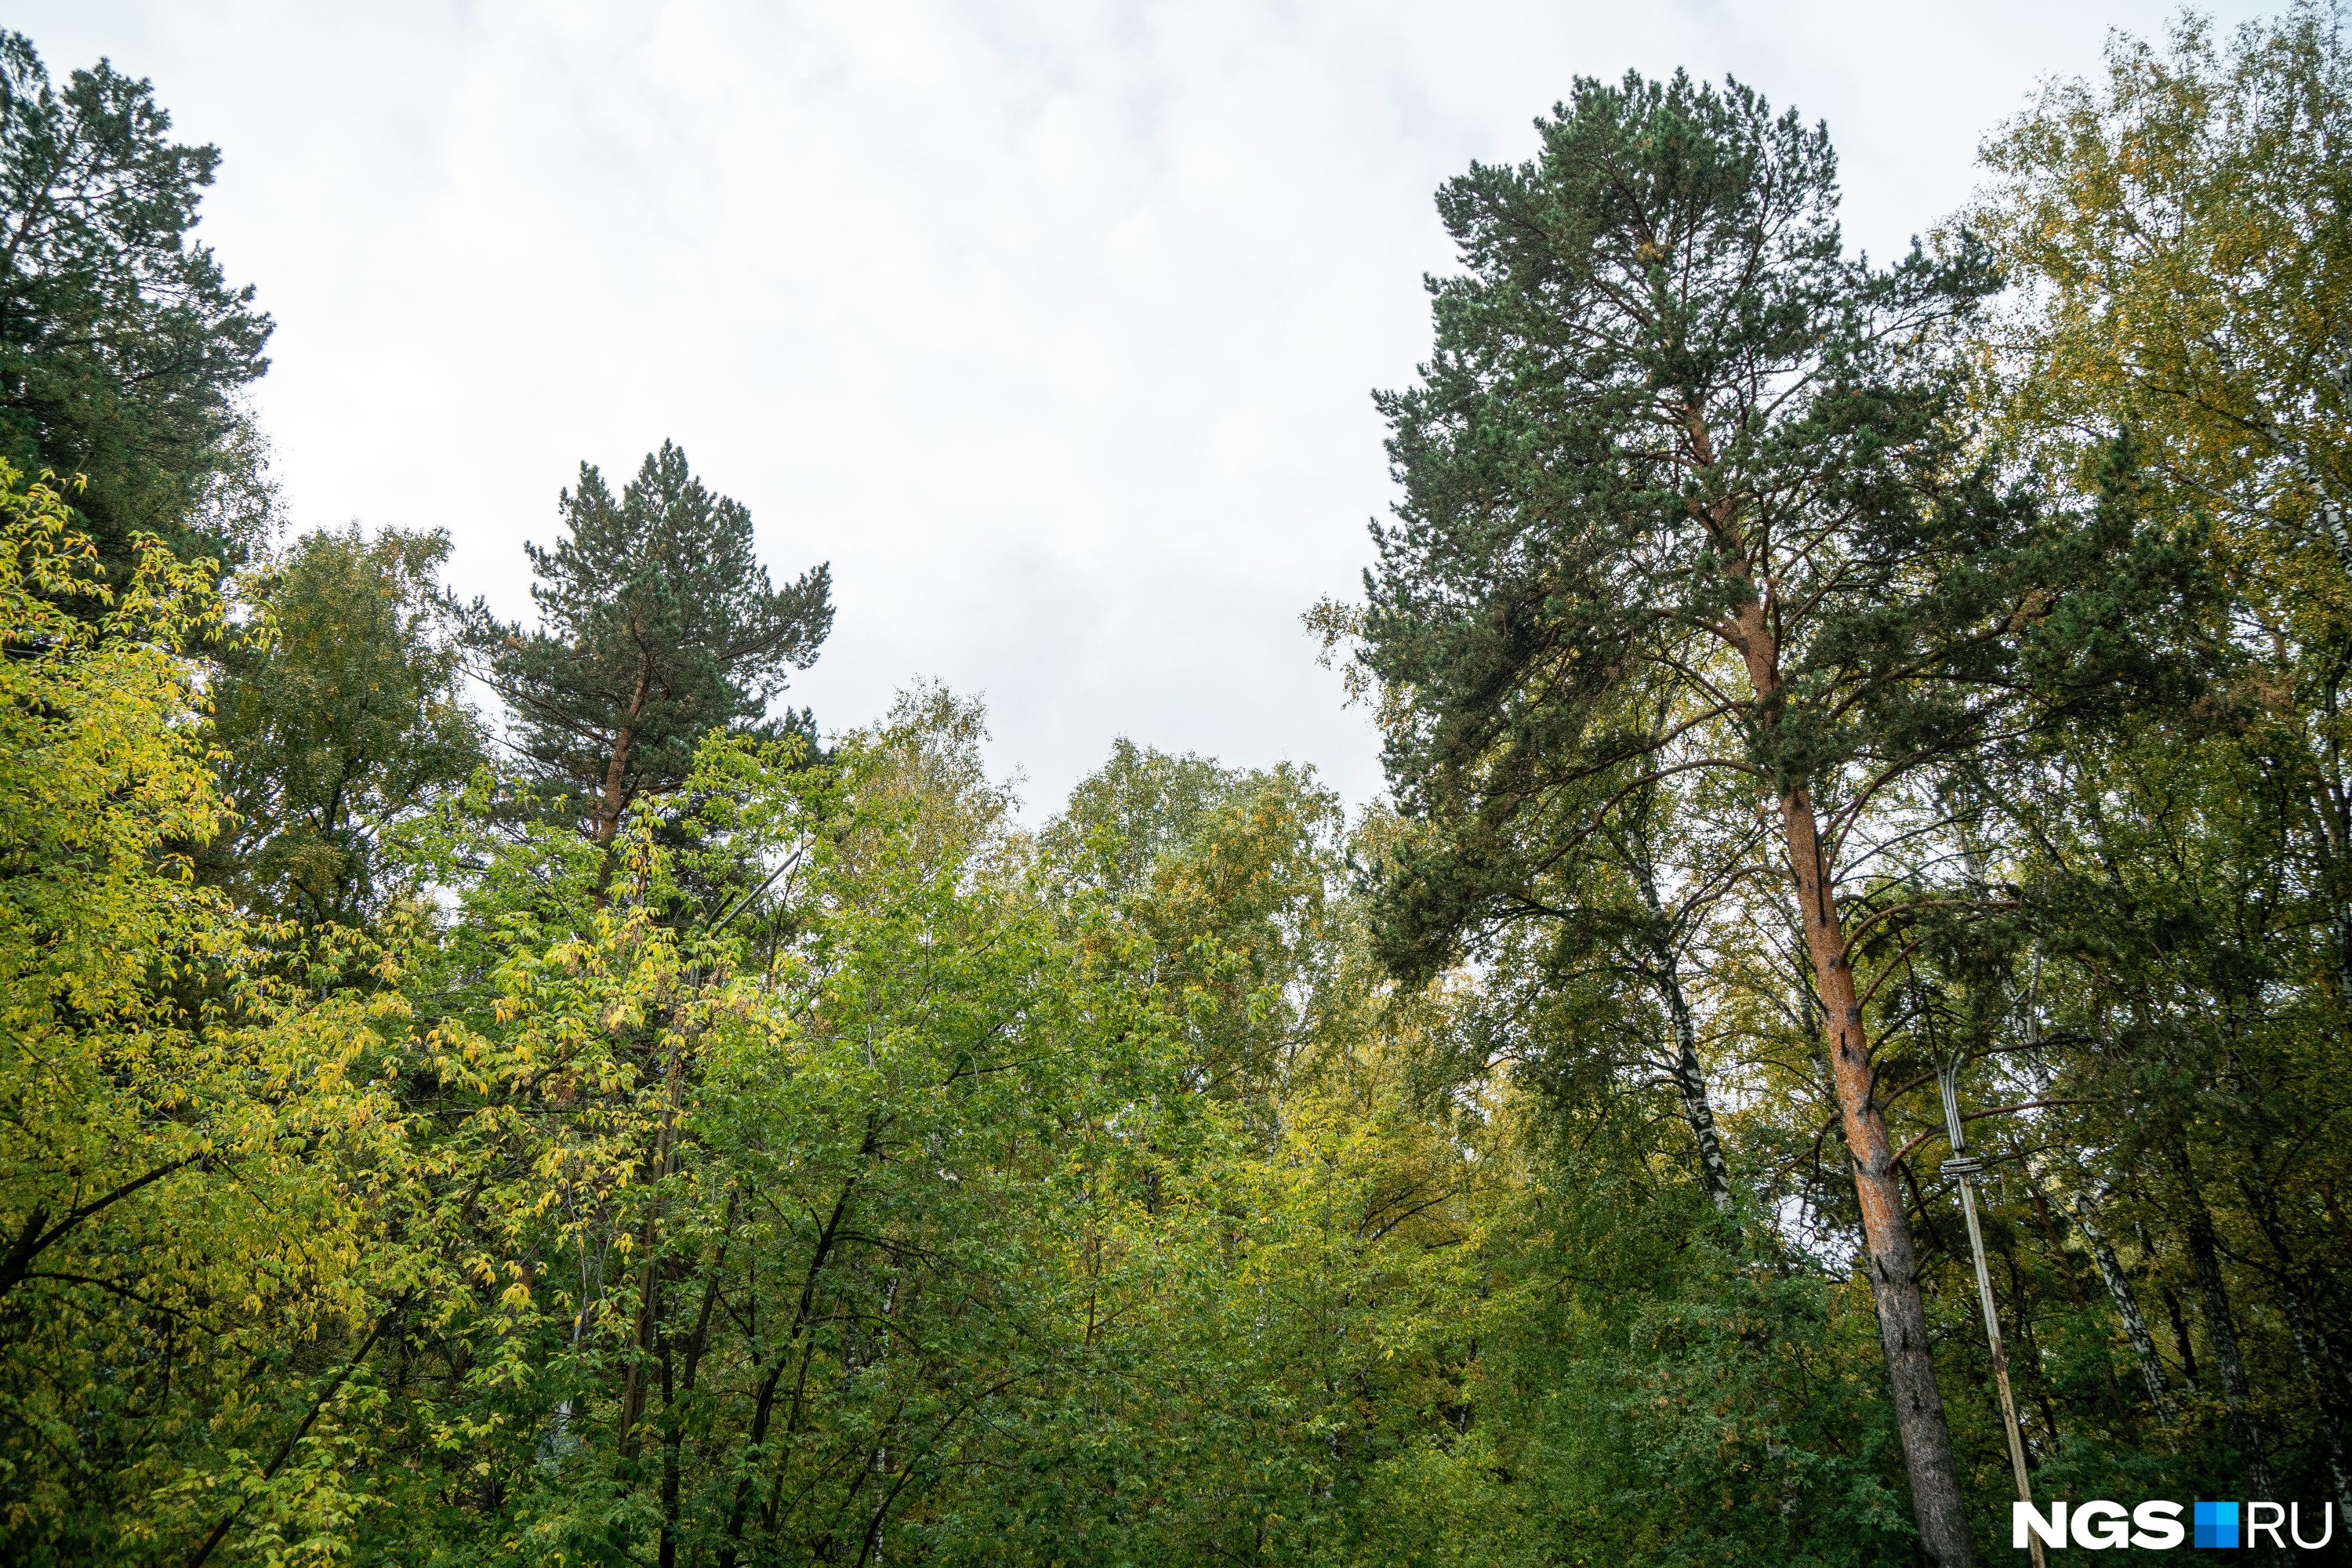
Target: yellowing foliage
[[168, 1232]]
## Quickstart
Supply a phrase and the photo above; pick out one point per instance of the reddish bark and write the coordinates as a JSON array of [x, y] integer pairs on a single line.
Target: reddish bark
[[614, 797], [1937, 1502]]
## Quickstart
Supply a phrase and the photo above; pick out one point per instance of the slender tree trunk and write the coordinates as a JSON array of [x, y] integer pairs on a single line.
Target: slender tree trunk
[[673, 1420], [2221, 1328], [1689, 1078], [2075, 1291], [1936, 1501], [803, 1315], [2143, 1343], [2312, 1341], [2318, 1366], [2023, 1296], [634, 1384], [286, 1450], [1690, 1083], [649, 1325], [2180, 1321], [2057, 1245], [667, 1552]]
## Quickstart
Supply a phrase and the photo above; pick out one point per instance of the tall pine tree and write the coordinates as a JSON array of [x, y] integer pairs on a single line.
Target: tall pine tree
[[1678, 454], [122, 345], [658, 626]]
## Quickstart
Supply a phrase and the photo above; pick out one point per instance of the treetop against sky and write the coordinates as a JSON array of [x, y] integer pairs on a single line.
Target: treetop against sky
[[1827, 1043], [1049, 326]]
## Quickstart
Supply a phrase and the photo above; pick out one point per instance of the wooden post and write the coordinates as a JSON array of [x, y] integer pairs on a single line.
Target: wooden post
[[1965, 1168]]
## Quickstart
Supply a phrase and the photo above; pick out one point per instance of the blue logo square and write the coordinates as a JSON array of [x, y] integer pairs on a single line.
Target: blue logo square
[[2217, 1525]]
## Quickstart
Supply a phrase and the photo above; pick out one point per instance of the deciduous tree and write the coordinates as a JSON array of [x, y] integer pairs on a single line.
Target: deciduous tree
[[339, 714]]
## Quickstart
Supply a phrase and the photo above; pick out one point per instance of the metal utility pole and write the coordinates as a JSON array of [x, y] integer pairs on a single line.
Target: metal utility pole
[[1967, 1168]]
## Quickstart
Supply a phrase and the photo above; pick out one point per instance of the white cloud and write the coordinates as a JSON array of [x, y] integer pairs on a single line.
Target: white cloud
[[1051, 326]]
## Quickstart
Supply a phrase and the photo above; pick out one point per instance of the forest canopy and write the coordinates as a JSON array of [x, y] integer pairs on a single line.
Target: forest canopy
[[1840, 1022]]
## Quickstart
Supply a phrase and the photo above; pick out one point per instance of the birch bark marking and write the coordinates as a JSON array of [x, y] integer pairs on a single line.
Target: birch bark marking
[[2143, 1343], [1935, 1499], [1689, 1076]]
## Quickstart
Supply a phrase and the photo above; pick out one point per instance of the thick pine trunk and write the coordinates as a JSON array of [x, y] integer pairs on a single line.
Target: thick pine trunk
[[1935, 1499], [1937, 1502], [613, 799]]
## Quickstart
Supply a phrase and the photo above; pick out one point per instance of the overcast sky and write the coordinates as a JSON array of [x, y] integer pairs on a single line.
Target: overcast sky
[[1051, 326]]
